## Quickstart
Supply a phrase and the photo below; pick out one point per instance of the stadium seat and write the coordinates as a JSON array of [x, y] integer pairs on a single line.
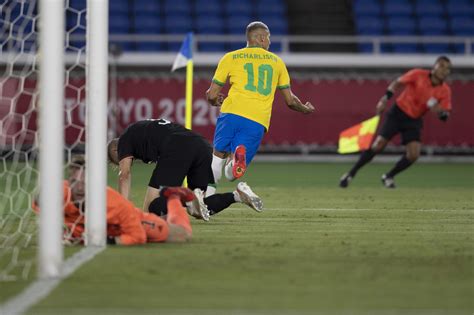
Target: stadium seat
[[264, 16], [437, 48], [433, 26], [237, 8], [460, 8], [210, 24], [208, 7], [178, 24], [237, 24], [401, 25], [367, 7], [277, 25], [427, 2], [118, 7], [401, 48], [462, 26], [429, 8], [212, 47], [393, 8], [369, 25], [149, 46], [119, 24], [147, 24], [271, 7], [177, 7], [143, 7]]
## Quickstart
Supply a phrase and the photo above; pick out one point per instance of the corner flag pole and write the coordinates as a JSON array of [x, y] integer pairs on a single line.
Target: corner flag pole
[[189, 94], [185, 58]]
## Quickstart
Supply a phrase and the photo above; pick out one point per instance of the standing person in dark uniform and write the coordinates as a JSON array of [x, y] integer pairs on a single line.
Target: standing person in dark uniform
[[424, 90], [178, 153]]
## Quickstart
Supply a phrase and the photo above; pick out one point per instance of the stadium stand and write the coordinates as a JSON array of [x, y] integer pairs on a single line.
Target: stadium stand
[[414, 18], [323, 17], [119, 7], [181, 16], [427, 8]]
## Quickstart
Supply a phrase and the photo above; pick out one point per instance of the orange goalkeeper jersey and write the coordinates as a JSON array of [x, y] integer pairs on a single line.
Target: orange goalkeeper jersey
[[124, 220]]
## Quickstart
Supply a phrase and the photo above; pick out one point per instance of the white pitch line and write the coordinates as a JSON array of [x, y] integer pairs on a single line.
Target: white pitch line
[[41, 288], [356, 209]]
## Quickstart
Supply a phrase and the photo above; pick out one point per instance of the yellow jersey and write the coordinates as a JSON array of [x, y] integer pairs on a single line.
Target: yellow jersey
[[254, 74]]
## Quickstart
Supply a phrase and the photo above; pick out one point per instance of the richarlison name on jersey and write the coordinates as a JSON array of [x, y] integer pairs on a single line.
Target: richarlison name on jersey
[[254, 56]]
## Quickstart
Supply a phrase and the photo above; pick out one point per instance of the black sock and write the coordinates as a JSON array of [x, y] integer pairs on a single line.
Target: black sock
[[158, 206], [215, 203], [401, 165], [364, 158], [218, 202]]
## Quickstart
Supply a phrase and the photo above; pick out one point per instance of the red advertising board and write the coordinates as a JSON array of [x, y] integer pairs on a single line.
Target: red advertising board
[[339, 105]]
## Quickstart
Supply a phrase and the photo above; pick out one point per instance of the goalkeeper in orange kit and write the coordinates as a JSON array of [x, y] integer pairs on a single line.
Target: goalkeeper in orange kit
[[126, 224]]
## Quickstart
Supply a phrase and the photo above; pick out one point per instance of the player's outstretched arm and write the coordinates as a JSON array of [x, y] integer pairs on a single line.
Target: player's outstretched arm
[[214, 95], [125, 176], [295, 104], [393, 87]]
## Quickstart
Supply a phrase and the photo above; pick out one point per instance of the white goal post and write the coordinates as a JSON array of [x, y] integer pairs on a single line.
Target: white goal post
[[51, 119], [50, 109], [96, 123], [51, 146]]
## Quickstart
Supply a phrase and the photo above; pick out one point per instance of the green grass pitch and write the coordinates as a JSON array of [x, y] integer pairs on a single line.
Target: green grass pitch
[[316, 249]]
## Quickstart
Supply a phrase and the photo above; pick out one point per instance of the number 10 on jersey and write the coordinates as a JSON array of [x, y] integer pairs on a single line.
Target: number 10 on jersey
[[264, 79]]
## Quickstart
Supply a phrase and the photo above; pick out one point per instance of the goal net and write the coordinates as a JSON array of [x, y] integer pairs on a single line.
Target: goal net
[[19, 139]]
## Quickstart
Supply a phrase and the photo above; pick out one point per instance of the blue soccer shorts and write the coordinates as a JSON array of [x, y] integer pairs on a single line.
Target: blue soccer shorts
[[233, 130]]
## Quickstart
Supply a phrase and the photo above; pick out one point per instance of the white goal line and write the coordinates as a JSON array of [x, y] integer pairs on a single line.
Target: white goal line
[[40, 289]]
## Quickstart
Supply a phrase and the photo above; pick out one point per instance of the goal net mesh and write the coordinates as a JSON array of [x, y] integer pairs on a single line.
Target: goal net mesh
[[19, 60]]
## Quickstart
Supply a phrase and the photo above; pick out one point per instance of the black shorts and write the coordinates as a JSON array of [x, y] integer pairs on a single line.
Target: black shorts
[[184, 156], [396, 121]]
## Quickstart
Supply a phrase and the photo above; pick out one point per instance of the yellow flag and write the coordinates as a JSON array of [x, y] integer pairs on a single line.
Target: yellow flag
[[359, 137]]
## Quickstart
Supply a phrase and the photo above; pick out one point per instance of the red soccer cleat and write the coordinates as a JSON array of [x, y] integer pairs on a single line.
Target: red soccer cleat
[[239, 165], [183, 193]]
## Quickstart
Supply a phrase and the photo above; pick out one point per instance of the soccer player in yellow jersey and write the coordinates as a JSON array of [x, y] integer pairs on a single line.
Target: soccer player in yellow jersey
[[254, 74]]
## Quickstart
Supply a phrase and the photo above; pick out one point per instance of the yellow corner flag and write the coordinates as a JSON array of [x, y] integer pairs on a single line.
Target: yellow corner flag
[[359, 137], [185, 59]]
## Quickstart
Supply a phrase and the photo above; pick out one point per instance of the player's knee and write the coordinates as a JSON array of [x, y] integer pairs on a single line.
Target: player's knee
[[412, 156], [378, 145]]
